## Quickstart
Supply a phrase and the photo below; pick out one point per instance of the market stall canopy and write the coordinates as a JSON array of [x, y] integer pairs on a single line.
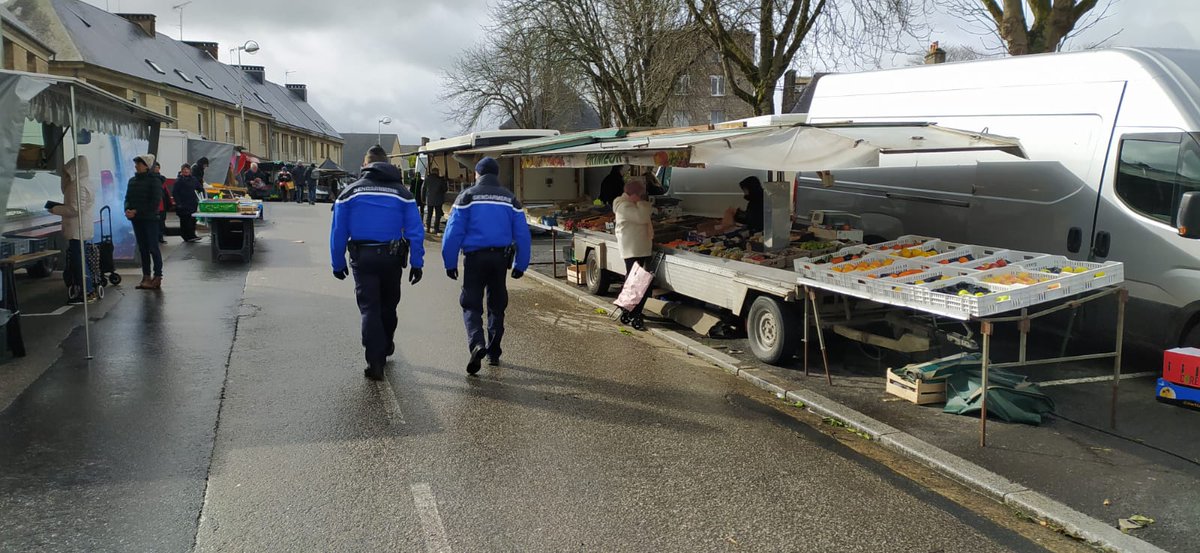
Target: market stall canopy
[[791, 148], [535, 145], [329, 165], [647, 149], [49, 101], [841, 146]]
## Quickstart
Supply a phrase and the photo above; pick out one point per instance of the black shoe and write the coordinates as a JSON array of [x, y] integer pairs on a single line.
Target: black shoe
[[637, 323], [374, 372], [391, 348], [74, 301], [493, 361], [477, 356]]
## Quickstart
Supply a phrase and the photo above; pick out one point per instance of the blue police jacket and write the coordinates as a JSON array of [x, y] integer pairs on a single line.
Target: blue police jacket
[[376, 208], [484, 216]]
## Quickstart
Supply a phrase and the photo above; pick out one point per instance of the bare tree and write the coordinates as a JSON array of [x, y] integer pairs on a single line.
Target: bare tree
[[631, 52], [859, 31], [1022, 27], [513, 76]]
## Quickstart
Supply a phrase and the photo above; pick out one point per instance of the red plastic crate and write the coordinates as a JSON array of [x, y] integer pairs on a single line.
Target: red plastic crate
[[1182, 366]]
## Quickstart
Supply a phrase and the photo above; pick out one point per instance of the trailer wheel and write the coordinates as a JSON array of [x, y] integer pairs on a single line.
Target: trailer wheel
[[598, 280], [772, 328]]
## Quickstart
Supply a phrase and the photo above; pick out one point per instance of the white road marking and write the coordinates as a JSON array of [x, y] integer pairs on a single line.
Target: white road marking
[[431, 521], [391, 405], [54, 313], [1091, 379]]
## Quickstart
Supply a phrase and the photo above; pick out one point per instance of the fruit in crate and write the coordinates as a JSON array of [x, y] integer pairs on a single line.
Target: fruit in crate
[[909, 253], [923, 281], [901, 247], [998, 264], [1067, 269], [962, 259], [839, 259], [1015, 279], [904, 273], [862, 266], [964, 289], [814, 245]]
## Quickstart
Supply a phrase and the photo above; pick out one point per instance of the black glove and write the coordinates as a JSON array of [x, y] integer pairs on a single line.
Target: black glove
[[517, 273], [452, 273], [340, 274], [414, 275]]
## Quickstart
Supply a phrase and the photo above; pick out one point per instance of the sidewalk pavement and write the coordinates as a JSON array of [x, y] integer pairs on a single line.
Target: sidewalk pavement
[[1078, 476]]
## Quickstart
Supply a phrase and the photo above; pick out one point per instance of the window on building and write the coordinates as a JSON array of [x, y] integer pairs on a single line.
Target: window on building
[[681, 119], [31, 62], [262, 137], [171, 109], [183, 76], [714, 56], [204, 82], [138, 98], [716, 85], [10, 59], [155, 67], [230, 130], [259, 98], [716, 116], [1154, 170], [683, 86]]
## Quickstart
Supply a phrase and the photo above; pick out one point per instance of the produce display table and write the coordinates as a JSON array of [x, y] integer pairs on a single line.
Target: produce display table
[[967, 283], [231, 234], [537, 222]]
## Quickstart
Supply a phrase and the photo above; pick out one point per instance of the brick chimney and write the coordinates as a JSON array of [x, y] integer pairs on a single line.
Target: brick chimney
[[257, 73], [300, 91], [935, 54], [424, 140], [210, 48], [143, 20], [789, 90]]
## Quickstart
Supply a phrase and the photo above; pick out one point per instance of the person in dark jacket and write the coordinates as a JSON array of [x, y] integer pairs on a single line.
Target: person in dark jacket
[[487, 224], [613, 185], [435, 200], [300, 179], [255, 181], [310, 182], [376, 219], [187, 202], [752, 216], [142, 197], [418, 191], [199, 168], [165, 205]]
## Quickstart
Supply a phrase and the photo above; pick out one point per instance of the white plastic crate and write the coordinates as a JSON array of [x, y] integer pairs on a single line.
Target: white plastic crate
[[907, 240], [1011, 257], [808, 265], [1002, 298], [850, 279], [972, 253], [902, 288], [1094, 276], [936, 247]]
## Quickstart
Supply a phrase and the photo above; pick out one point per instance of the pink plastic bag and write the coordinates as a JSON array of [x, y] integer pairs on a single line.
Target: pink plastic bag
[[637, 283]]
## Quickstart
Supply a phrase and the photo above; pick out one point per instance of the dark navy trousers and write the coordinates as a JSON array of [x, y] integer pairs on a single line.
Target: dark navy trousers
[[485, 273], [377, 277]]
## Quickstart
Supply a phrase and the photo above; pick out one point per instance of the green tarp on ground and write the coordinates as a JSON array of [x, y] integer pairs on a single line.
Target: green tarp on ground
[[1011, 397]]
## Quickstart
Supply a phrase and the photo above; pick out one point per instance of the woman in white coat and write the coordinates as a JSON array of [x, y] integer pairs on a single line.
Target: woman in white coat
[[77, 198], [635, 236]]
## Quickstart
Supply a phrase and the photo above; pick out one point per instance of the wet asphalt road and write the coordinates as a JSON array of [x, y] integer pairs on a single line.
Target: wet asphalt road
[[230, 413]]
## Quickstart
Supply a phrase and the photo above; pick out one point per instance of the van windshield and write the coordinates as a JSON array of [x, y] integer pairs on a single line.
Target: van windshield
[[1155, 170]]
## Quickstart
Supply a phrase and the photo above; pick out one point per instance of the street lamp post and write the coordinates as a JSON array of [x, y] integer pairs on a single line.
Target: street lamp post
[[385, 120], [250, 47]]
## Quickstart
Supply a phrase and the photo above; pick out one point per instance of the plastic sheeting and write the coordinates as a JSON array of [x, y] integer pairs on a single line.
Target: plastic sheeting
[[15, 94], [220, 157], [96, 110], [1010, 397]]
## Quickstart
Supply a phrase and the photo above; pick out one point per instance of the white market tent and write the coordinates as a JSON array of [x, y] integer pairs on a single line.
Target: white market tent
[[66, 103]]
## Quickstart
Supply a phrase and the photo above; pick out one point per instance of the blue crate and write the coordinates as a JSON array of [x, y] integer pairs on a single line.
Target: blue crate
[[1175, 394]]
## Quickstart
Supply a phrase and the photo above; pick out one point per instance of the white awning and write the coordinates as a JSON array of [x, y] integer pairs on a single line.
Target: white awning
[[668, 150]]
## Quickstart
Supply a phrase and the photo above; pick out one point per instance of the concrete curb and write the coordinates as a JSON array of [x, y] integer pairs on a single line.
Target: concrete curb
[[986, 482]]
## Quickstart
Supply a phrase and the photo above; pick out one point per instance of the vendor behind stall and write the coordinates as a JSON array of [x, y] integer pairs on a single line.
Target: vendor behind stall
[[613, 185], [752, 216]]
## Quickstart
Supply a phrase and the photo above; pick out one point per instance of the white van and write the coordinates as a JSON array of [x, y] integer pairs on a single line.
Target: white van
[[1113, 139]]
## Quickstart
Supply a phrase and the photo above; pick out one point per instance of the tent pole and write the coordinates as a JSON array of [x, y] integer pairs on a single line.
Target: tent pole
[[87, 331]]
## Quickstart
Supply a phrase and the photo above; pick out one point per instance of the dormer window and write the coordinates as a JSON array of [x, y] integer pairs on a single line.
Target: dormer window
[[155, 67], [183, 76], [204, 82]]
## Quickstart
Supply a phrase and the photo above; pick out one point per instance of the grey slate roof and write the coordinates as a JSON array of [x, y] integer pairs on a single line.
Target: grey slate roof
[[357, 144], [110, 41], [8, 17]]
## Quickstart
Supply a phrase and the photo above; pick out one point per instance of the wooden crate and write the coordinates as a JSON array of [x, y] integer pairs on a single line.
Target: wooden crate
[[919, 392], [576, 274]]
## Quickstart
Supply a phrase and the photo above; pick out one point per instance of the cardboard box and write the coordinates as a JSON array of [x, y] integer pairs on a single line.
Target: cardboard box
[[577, 274], [1182, 366]]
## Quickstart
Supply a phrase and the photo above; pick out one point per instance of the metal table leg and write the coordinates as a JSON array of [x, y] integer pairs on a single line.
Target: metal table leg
[[1122, 297], [812, 297], [986, 329], [805, 300]]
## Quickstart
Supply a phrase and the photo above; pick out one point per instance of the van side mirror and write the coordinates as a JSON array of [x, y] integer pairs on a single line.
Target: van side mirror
[[1188, 218]]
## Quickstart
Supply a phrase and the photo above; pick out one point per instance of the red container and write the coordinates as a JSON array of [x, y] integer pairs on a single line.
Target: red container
[[1181, 366]]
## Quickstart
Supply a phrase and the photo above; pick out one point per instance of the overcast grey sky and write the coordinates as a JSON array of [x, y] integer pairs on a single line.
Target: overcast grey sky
[[363, 59]]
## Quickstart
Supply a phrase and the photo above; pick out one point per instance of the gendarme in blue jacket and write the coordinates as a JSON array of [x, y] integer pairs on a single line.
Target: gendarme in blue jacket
[[376, 208], [486, 215]]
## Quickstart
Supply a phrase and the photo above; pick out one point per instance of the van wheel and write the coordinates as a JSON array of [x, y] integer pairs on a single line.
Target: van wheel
[[598, 279], [773, 330]]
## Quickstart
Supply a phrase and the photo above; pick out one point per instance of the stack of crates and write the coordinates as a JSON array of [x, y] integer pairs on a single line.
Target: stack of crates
[[1180, 382]]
